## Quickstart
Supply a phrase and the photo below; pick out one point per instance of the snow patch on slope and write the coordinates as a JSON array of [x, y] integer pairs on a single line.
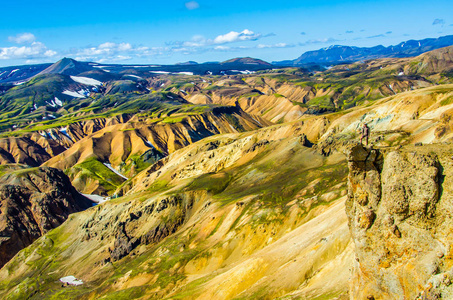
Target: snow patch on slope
[[148, 143], [115, 171], [159, 72], [71, 280], [58, 102], [78, 94], [96, 198], [135, 76], [65, 132], [86, 80]]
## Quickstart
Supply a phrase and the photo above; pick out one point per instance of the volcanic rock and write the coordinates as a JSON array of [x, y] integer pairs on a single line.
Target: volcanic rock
[[32, 202], [399, 212]]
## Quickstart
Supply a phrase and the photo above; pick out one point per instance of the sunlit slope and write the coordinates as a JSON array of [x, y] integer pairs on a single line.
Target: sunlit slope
[[132, 146], [206, 233], [287, 94], [416, 116]]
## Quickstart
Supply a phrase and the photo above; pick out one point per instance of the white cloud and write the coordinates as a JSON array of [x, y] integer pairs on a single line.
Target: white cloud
[[113, 52], [23, 38], [191, 5], [110, 51], [199, 41], [124, 47], [107, 45], [107, 49], [114, 59], [319, 41], [222, 48], [233, 36], [34, 51], [278, 45], [50, 53]]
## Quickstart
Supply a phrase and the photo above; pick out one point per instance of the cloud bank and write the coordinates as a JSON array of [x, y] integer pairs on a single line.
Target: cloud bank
[[31, 51]]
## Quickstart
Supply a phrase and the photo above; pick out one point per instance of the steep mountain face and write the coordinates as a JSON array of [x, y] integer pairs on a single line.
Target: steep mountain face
[[22, 150], [214, 154], [32, 202], [74, 132], [337, 54], [400, 216]]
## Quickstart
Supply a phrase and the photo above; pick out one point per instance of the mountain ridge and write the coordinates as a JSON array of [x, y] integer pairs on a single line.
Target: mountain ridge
[[342, 53], [334, 54]]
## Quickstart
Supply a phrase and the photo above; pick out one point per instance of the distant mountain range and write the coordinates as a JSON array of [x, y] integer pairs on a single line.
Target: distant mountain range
[[69, 66], [326, 56], [338, 54]]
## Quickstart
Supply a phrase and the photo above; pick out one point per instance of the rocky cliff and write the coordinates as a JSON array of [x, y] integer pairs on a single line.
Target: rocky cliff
[[32, 202], [400, 211]]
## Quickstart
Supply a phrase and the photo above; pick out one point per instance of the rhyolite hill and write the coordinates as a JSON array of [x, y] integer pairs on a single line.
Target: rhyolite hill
[[248, 185]]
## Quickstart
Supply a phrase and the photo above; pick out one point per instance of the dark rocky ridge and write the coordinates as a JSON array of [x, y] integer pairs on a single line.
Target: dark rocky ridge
[[32, 202]]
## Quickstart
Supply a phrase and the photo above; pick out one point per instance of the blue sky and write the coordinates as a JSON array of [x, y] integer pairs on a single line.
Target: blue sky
[[167, 32]]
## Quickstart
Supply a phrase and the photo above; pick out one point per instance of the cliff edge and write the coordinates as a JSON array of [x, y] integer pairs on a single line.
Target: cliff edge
[[399, 210]]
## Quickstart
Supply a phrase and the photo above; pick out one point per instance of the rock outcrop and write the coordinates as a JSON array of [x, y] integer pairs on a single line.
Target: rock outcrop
[[144, 225], [32, 202], [399, 209]]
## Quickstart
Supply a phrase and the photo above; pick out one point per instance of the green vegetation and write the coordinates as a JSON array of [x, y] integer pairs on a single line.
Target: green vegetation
[[447, 101], [214, 183], [6, 169], [323, 101], [146, 106], [250, 95], [92, 169], [235, 122]]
